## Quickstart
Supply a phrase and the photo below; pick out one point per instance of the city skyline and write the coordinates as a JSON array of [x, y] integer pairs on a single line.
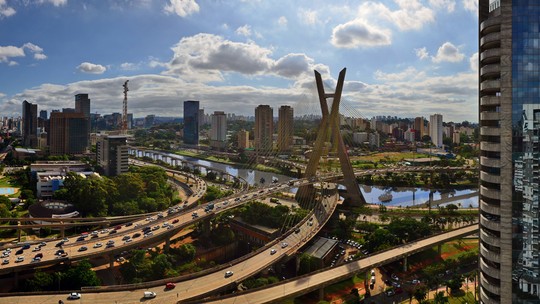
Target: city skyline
[[411, 57]]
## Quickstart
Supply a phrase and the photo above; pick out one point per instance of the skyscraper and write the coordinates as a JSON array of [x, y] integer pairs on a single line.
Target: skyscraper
[[285, 128], [29, 124], [82, 105], [191, 122], [419, 128], [509, 104], [436, 130], [264, 128], [68, 133], [218, 132], [112, 154], [243, 139]]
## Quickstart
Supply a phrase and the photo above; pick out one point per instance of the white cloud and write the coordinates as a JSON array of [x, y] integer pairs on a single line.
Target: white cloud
[[473, 61], [411, 15], [39, 56], [54, 2], [32, 47], [358, 33], [244, 30], [471, 5], [409, 73], [182, 8], [9, 51], [448, 5], [282, 21], [5, 10], [448, 52], [13, 63], [129, 66], [91, 68], [309, 17], [292, 65], [225, 26], [422, 53]]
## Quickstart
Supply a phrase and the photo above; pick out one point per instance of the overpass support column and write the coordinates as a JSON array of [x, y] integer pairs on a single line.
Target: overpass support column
[[206, 226], [62, 231], [18, 231], [167, 244], [405, 264], [16, 279], [321, 294], [111, 262]]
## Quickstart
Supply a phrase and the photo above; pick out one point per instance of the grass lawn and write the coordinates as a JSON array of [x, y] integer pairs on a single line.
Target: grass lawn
[[388, 156]]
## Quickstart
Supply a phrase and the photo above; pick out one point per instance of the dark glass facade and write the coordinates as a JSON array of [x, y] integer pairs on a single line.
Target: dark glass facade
[[191, 122]]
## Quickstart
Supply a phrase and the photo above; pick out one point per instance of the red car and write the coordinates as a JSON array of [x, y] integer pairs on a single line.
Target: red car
[[170, 285]]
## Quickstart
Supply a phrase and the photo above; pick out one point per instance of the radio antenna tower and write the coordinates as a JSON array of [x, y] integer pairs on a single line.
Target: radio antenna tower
[[124, 110]]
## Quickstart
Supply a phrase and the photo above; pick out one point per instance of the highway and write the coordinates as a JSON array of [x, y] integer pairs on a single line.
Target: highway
[[304, 284]]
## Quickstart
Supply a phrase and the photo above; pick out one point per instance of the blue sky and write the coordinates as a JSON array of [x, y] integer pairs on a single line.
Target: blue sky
[[403, 57]]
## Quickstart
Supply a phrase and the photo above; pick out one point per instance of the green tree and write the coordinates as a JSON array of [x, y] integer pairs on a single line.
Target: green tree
[[381, 239], [439, 298], [81, 275], [160, 265], [308, 263], [186, 252], [41, 281], [420, 293]]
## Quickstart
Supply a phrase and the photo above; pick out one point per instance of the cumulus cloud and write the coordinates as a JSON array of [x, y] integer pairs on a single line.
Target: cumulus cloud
[[129, 66], [309, 17], [408, 73], [181, 8], [244, 30], [282, 21], [91, 68], [292, 65], [473, 61], [5, 10], [422, 53], [358, 33], [54, 2], [10, 51], [448, 52], [471, 5], [448, 5]]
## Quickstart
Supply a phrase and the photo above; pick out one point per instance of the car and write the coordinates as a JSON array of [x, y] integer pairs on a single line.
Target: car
[[39, 255], [5, 261], [110, 242], [394, 277], [155, 228], [36, 259], [42, 244], [228, 273], [19, 259], [121, 259], [415, 281], [118, 227], [273, 251], [83, 248], [65, 240], [149, 295], [175, 221], [297, 230], [170, 285], [109, 245], [127, 241], [129, 224], [113, 231], [59, 252], [20, 251], [97, 245], [390, 292], [284, 244], [149, 233], [136, 235], [126, 237], [80, 239], [74, 296], [36, 249], [25, 246]]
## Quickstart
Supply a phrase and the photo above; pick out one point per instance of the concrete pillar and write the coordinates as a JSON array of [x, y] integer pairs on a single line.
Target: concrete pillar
[[111, 262], [18, 231], [167, 244], [405, 264], [321, 294], [62, 231], [16, 279]]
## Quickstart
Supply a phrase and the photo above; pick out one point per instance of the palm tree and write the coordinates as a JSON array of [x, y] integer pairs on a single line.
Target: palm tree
[[439, 298]]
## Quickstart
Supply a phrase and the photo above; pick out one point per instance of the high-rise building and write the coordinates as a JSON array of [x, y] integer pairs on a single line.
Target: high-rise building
[[201, 118], [285, 128], [419, 128], [82, 105], [191, 122], [264, 128], [509, 104], [243, 139], [68, 133], [436, 130], [149, 120], [112, 154], [43, 114], [29, 124], [218, 132]]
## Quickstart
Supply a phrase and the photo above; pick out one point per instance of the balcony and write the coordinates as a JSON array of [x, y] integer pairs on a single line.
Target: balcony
[[491, 193], [489, 146], [490, 255], [490, 71], [490, 40], [493, 24], [490, 115], [490, 162], [491, 271], [490, 101], [489, 286], [492, 240], [490, 131], [490, 208], [490, 224], [490, 86], [486, 299], [490, 56]]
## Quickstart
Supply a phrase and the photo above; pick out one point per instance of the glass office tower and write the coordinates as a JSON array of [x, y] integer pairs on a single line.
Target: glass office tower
[[191, 122], [509, 103]]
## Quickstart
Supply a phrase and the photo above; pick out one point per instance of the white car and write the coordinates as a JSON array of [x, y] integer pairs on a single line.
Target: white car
[[228, 273], [97, 245], [74, 296], [273, 251], [284, 244]]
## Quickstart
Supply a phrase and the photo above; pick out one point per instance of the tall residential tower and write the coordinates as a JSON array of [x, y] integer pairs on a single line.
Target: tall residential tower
[[285, 128], [264, 128], [509, 104], [191, 122]]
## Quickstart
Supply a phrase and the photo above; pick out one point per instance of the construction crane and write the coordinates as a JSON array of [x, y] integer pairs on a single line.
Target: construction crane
[[124, 110]]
